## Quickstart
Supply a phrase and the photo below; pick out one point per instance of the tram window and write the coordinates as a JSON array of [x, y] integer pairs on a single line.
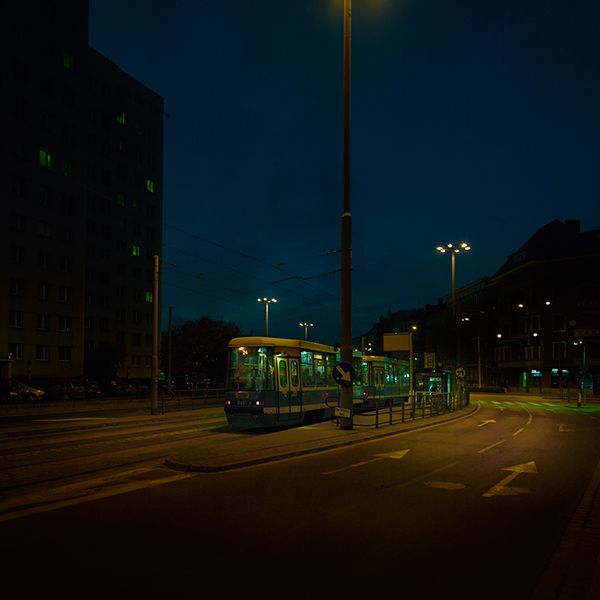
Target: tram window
[[282, 374], [307, 368], [294, 372], [251, 369], [365, 373], [320, 372]]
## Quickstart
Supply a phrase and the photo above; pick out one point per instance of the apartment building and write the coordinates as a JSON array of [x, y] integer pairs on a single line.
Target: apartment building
[[81, 158]]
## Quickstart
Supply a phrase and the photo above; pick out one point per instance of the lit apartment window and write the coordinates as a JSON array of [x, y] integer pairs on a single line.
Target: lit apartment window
[[46, 159], [120, 200], [135, 250], [42, 352], [68, 60], [149, 297], [43, 229], [121, 118], [150, 185]]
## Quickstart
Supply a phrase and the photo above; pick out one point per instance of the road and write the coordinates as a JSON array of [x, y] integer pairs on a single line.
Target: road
[[486, 506]]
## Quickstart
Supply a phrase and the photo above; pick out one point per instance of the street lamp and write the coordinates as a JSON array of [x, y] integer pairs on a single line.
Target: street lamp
[[306, 326], [454, 250], [267, 301], [346, 422]]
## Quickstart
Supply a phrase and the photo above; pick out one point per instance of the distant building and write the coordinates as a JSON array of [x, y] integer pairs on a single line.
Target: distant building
[[534, 326], [81, 162]]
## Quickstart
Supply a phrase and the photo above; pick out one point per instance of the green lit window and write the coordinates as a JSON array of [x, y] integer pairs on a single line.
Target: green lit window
[[67, 168], [121, 118], [149, 297], [46, 159], [68, 60], [135, 250], [120, 200], [150, 185]]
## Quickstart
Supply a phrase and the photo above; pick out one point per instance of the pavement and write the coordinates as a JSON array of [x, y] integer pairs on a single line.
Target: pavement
[[564, 578], [249, 448]]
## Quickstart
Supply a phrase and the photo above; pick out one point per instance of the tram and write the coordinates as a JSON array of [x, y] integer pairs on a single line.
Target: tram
[[272, 382]]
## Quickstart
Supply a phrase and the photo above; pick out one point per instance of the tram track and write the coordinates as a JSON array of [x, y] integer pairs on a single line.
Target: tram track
[[43, 469]]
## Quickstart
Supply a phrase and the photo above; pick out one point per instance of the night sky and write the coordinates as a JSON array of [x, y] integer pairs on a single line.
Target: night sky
[[475, 120]]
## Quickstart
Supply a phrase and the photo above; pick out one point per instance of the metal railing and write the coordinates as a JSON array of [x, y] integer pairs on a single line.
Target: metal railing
[[420, 405]]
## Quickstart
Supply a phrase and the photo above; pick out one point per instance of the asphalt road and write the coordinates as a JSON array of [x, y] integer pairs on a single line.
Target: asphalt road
[[484, 507]]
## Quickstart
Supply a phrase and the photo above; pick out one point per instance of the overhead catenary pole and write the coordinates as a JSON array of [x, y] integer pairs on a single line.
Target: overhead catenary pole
[[155, 328], [170, 355], [346, 422]]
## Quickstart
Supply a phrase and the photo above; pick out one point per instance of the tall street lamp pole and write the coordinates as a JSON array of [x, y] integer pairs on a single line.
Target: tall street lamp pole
[[306, 326], [346, 233], [267, 301], [454, 250]]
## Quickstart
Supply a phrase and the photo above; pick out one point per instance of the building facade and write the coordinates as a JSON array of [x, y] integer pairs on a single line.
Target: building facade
[[533, 326], [81, 156]]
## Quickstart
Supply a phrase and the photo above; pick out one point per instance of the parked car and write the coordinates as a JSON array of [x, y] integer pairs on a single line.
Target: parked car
[[119, 387], [66, 389], [17, 391], [92, 388]]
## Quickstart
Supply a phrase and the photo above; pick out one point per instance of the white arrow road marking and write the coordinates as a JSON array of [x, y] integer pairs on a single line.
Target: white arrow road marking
[[502, 489], [398, 454], [486, 422]]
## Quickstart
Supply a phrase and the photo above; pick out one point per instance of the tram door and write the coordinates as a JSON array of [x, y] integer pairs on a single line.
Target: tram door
[[287, 387]]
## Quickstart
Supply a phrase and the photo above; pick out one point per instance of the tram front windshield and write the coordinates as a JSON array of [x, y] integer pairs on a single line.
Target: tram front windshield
[[251, 369]]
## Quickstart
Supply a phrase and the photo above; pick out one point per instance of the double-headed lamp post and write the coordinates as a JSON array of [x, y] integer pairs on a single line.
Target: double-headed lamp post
[[267, 301], [454, 249], [306, 326]]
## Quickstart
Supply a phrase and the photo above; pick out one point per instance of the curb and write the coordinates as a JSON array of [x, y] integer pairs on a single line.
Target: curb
[[178, 465]]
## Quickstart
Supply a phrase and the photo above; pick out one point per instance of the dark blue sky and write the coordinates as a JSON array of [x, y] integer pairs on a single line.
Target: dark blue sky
[[475, 120]]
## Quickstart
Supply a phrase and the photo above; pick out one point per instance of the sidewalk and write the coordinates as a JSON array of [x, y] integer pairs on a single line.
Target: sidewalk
[[251, 448]]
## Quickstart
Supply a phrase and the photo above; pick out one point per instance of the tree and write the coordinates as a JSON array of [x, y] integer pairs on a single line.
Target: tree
[[199, 349]]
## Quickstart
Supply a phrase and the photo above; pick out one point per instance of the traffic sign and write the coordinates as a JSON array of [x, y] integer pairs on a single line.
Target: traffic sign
[[345, 413], [343, 373], [460, 372]]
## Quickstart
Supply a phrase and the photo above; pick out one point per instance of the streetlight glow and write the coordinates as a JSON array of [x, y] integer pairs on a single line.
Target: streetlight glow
[[454, 250], [306, 326], [267, 301]]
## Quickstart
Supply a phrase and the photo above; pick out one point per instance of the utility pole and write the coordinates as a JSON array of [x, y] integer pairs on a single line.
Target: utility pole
[[170, 356], [346, 234], [155, 328]]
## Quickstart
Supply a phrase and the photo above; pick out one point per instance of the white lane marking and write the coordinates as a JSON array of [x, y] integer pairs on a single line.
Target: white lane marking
[[518, 431], [354, 466], [398, 454], [490, 447]]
